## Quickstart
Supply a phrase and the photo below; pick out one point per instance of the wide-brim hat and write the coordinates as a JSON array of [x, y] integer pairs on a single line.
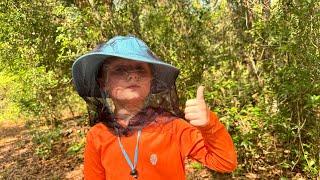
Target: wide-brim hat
[[85, 68]]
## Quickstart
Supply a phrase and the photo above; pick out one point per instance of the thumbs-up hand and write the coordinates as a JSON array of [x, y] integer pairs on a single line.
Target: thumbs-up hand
[[196, 110]]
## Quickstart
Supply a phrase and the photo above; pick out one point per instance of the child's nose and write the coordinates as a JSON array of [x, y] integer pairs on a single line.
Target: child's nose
[[133, 76]]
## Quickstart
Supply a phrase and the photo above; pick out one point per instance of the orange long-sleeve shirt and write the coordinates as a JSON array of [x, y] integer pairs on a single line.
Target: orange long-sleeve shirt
[[163, 148]]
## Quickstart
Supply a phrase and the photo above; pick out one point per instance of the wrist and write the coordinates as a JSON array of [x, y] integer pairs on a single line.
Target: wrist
[[211, 119]]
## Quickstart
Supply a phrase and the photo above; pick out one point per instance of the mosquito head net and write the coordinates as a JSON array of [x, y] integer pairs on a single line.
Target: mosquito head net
[[125, 85]]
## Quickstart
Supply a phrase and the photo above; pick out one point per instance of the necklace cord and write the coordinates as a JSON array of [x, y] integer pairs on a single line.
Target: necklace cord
[[136, 152]]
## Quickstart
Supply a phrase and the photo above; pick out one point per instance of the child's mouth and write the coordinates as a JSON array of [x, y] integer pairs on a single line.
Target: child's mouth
[[133, 86]]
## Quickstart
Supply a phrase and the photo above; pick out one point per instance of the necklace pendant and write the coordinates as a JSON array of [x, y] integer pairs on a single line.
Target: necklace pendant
[[134, 173]]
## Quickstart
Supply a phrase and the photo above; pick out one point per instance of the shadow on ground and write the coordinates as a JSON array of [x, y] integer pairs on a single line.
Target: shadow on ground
[[18, 159]]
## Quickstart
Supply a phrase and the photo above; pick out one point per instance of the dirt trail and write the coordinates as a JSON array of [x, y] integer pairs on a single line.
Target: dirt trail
[[17, 159]]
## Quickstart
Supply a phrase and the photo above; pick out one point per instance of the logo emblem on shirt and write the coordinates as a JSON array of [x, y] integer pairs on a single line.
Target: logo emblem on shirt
[[153, 159]]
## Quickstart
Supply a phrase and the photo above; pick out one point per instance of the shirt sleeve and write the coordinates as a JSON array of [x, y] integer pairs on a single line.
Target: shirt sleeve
[[210, 145], [93, 168]]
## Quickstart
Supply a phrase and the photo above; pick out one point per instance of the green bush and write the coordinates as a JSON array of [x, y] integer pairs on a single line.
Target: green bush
[[44, 140]]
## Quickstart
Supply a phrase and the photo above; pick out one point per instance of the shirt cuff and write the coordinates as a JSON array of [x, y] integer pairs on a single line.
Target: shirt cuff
[[213, 121]]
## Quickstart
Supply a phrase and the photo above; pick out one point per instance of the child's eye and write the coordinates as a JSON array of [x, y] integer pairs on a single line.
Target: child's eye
[[119, 70], [140, 69]]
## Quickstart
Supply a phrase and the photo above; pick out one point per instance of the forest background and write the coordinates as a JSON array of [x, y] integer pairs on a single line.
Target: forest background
[[259, 61]]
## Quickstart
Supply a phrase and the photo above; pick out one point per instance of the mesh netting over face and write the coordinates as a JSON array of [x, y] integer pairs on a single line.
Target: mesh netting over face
[[132, 96], [126, 86]]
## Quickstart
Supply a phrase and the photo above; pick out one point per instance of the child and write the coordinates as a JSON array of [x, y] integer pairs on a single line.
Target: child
[[139, 133]]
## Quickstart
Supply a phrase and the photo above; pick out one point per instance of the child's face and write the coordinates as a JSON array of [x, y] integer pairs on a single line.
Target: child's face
[[128, 80]]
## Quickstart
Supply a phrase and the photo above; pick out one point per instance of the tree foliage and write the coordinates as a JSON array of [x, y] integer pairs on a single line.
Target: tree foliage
[[259, 61]]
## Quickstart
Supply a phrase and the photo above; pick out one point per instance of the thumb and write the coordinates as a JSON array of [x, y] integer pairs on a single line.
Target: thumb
[[200, 91]]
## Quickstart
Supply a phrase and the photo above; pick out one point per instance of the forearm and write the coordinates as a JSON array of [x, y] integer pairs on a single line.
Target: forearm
[[221, 151], [214, 148]]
